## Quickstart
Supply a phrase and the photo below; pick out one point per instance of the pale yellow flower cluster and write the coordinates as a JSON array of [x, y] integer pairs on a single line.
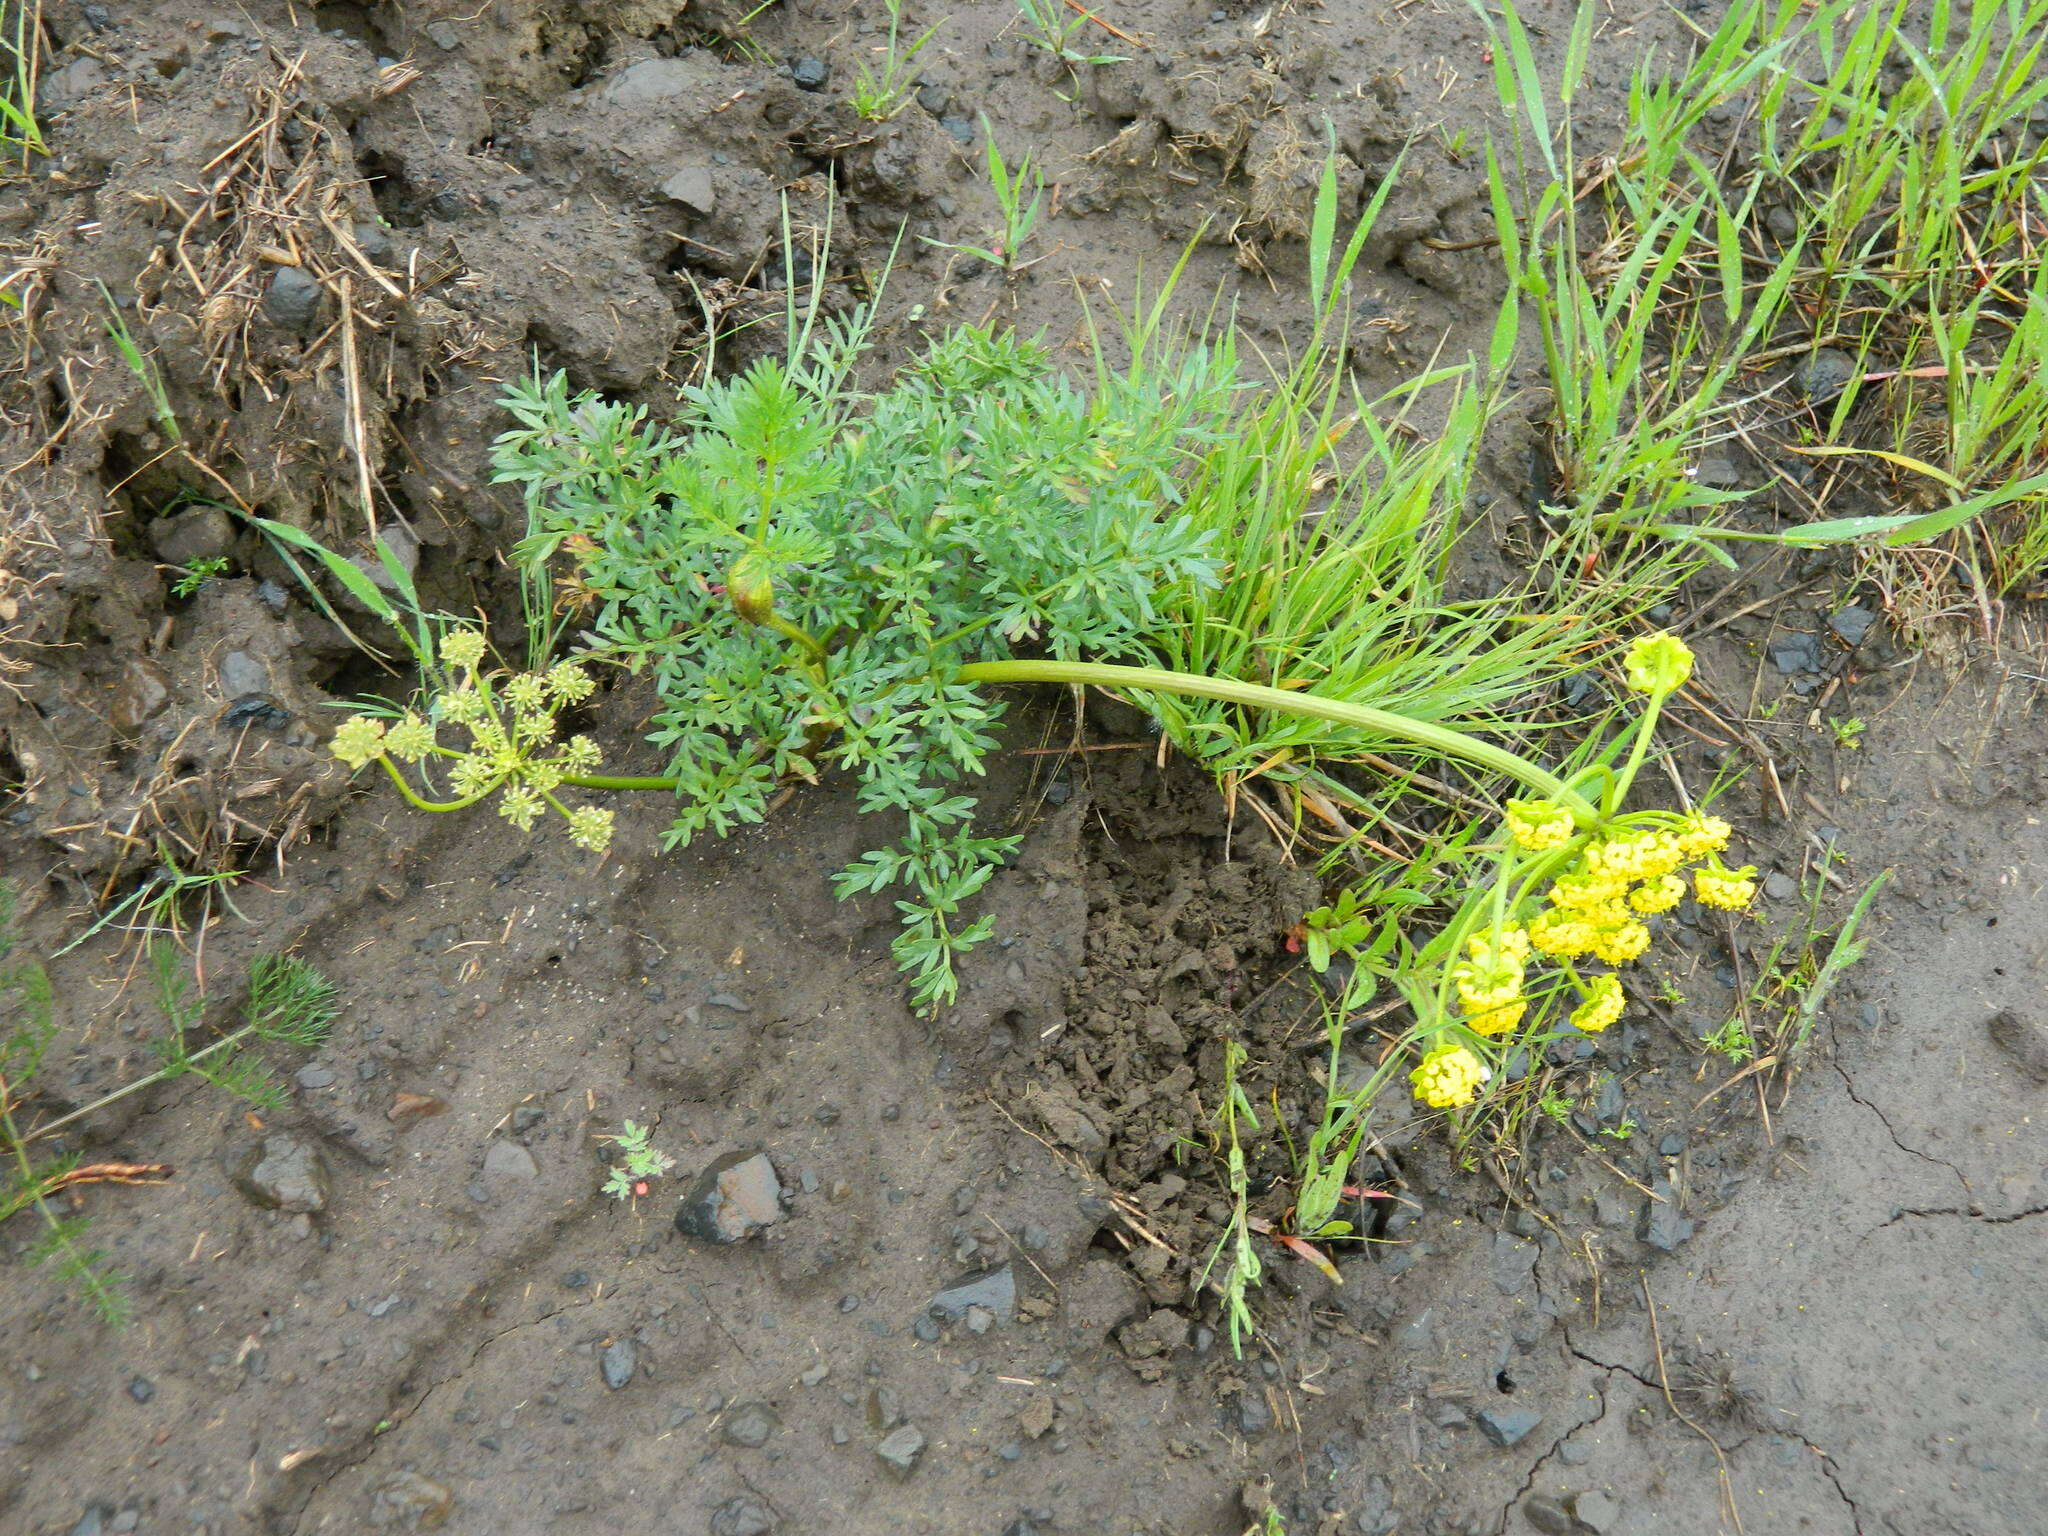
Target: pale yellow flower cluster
[[506, 750]]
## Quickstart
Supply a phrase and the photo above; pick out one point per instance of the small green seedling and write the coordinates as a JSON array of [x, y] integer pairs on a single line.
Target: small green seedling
[[640, 1163], [1555, 1105], [1848, 733], [880, 91], [1732, 1040], [1620, 1132], [1051, 26], [1010, 184], [194, 574]]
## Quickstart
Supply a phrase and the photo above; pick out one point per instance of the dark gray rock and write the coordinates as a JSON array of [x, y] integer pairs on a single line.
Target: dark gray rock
[[732, 1199], [1376, 1512], [899, 1450], [292, 299], [1796, 653], [1511, 1263], [742, 1517], [198, 533], [994, 1291], [315, 1077], [1780, 887], [810, 74], [285, 1174], [374, 241], [1549, 1516], [142, 1389], [1852, 624], [92, 1522], [1253, 1414], [1507, 1426], [1663, 1225], [241, 673], [621, 1358], [1823, 374], [750, 1425]]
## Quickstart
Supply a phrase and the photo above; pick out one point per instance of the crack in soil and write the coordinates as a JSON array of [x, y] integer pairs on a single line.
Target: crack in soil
[[1885, 1120], [1973, 1213], [1536, 1467]]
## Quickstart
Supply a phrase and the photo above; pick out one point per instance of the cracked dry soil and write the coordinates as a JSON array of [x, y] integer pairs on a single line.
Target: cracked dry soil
[[1838, 1328]]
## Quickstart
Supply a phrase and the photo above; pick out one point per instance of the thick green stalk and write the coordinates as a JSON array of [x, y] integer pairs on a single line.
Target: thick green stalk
[[1436, 738]]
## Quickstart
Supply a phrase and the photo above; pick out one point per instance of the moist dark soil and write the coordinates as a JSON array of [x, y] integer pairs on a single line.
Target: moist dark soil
[[1801, 1295]]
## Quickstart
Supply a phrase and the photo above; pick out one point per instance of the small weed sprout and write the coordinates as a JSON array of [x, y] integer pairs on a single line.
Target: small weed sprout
[[196, 573], [1019, 191], [143, 368], [1733, 1041], [1054, 28], [1555, 1105], [640, 1162], [1848, 733], [880, 91], [1621, 1132]]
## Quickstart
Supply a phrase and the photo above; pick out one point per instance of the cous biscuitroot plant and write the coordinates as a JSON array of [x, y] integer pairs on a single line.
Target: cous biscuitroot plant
[[1546, 916], [822, 582]]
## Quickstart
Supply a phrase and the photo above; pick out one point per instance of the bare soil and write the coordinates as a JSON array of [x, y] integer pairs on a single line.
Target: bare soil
[[1801, 1298]]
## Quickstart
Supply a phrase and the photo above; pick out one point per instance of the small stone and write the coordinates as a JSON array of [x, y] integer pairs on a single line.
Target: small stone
[[1513, 1262], [509, 1160], [292, 299], [621, 1358], [961, 128], [734, 1198], [1036, 1417], [2023, 1042], [1852, 624], [1254, 1415], [1663, 1225], [142, 1389], [750, 1425], [410, 1499], [1796, 653], [1549, 1516], [1780, 887], [1507, 1426], [1823, 374], [526, 1117], [240, 673], [200, 533], [692, 187], [810, 74], [140, 696], [741, 1517], [407, 1107], [1597, 1510], [285, 1174], [899, 1450], [374, 241], [315, 1077], [91, 1523], [815, 1374], [994, 1291]]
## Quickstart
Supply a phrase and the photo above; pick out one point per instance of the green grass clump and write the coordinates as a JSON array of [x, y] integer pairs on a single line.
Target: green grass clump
[[882, 85], [1865, 179]]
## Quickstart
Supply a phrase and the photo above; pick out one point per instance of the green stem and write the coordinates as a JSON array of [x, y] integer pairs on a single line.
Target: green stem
[[406, 790], [184, 1064], [1436, 738], [610, 781], [1617, 789]]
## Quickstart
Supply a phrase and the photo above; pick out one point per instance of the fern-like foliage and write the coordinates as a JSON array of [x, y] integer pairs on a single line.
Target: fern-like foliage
[[804, 584]]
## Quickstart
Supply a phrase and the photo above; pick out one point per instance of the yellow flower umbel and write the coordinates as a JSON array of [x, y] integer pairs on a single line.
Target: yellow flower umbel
[[1728, 889], [511, 750], [1601, 1005], [1539, 825], [1658, 664], [1450, 1076], [1489, 983]]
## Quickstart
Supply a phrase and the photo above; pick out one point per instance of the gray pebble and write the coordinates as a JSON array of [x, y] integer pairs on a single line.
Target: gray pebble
[[1507, 1426], [810, 74], [292, 298], [621, 1358], [750, 1426], [741, 1517], [899, 1450], [142, 1389]]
